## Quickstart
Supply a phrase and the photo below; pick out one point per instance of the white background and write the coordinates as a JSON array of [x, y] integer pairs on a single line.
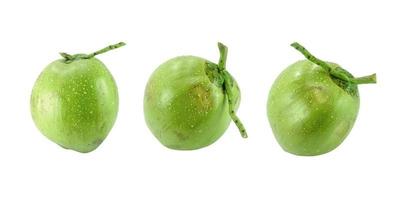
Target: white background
[[362, 36]]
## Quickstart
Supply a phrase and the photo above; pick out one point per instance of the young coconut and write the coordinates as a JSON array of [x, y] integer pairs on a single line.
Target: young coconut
[[190, 101], [74, 101], [313, 105]]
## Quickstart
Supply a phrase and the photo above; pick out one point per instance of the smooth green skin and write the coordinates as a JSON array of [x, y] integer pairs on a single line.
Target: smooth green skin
[[183, 108], [308, 112], [75, 105]]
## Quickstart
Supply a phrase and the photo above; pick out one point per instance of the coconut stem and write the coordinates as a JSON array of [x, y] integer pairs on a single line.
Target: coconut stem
[[70, 58], [334, 72], [106, 49], [223, 56], [227, 86], [310, 57], [366, 79]]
